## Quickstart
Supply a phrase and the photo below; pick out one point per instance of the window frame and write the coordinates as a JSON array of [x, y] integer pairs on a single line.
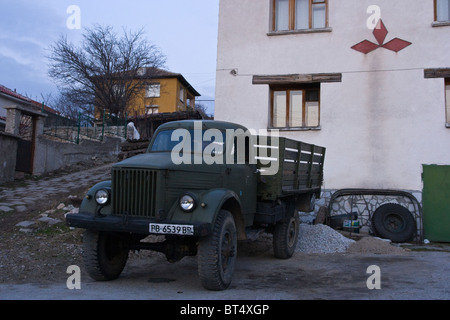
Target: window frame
[[292, 22], [442, 73], [436, 13], [182, 94], [152, 92], [152, 109], [288, 89], [447, 102]]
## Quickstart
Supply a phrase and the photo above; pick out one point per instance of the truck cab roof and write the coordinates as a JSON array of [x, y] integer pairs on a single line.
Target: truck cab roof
[[206, 124]]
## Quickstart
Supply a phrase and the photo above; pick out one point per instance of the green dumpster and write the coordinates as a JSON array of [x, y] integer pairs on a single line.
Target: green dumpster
[[436, 202]]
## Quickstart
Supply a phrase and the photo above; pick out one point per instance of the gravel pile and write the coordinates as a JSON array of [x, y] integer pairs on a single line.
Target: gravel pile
[[321, 238], [375, 245]]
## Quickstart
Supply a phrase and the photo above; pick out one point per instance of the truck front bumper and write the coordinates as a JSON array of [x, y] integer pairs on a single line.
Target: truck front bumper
[[127, 224]]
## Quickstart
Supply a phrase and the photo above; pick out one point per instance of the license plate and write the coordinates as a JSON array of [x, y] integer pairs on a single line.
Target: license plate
[[180, 229]]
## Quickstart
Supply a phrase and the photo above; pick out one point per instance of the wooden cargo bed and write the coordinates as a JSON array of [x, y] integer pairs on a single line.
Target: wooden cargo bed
[[300, 169]]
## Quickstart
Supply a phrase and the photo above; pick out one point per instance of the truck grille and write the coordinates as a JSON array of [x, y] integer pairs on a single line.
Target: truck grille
[[133, 192]]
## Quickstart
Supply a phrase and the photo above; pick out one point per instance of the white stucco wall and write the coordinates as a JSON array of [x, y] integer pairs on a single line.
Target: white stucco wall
[[382, 122]]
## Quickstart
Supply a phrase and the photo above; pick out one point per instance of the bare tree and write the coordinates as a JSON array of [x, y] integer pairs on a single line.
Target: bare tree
[[68, 106], [105, 69], [202, 109]]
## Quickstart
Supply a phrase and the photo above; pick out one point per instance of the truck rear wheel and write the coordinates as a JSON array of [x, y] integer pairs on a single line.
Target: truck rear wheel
[[217, 253], [285, 237], [105, 254]]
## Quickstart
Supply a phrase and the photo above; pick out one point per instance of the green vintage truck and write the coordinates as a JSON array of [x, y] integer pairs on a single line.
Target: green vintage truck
[[204, 186]]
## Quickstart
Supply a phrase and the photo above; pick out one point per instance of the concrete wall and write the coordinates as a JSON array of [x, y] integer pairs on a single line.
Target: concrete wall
[[8, 143], [52, 155], [4, 102], [382, 122], [49, 155]]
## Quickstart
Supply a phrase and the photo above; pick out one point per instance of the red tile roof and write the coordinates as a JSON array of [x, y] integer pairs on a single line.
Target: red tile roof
[[36, 105], [14, 94]]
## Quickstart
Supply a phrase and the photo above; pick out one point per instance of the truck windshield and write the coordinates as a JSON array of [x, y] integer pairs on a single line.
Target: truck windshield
[[168, 140]]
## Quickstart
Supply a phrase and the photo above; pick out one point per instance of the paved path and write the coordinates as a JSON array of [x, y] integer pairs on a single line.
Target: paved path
[[39, 192]]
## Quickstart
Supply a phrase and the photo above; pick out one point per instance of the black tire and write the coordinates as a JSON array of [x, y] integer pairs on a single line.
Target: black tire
[[285, 237], [217, 254], [395, 222], [105, 254]]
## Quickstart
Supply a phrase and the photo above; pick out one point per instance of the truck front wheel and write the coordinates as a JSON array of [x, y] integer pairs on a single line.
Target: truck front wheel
[[217, 253], [105, 254], [285, 237]]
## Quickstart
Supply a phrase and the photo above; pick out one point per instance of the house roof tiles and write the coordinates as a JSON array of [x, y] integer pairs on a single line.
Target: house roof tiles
[[27, 101], [155, 73]]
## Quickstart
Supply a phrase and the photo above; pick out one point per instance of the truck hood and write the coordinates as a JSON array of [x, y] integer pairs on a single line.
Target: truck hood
[[163, 161]]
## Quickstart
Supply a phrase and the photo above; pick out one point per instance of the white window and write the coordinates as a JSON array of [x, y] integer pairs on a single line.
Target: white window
[[181, 97], [302, 14], [119, 90], [318, 14], [281, 15], [152, 109], [153, 91], [442, 10], [279, 109], [447, 101], [299, 14], [296, 107]]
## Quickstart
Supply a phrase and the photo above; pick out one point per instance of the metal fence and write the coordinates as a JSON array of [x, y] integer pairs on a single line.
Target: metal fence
[[89, 128], [85, 127], [148, 123], [60, 128]]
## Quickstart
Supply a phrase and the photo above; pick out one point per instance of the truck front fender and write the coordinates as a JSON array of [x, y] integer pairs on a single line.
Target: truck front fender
[[208, 207], [88, 205]]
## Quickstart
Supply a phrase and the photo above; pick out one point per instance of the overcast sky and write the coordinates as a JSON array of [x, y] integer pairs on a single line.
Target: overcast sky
[[184, 30]]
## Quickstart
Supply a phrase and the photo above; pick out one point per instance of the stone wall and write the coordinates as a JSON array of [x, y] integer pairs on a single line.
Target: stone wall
[[365, 205], [70, 133]]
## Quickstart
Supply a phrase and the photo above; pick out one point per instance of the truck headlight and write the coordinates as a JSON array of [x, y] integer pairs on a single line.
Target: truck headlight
[[187, 202], [102, 197]]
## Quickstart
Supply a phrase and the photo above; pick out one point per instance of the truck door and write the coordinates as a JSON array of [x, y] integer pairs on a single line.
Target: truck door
[[241, 175]]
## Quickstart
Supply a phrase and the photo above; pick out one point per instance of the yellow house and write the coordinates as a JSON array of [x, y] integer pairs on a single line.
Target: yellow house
[[164, 92]]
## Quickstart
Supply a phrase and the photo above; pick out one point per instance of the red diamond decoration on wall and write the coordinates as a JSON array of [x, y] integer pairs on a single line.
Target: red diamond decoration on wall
[[380, 32], [365, 46], [396, 44]]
